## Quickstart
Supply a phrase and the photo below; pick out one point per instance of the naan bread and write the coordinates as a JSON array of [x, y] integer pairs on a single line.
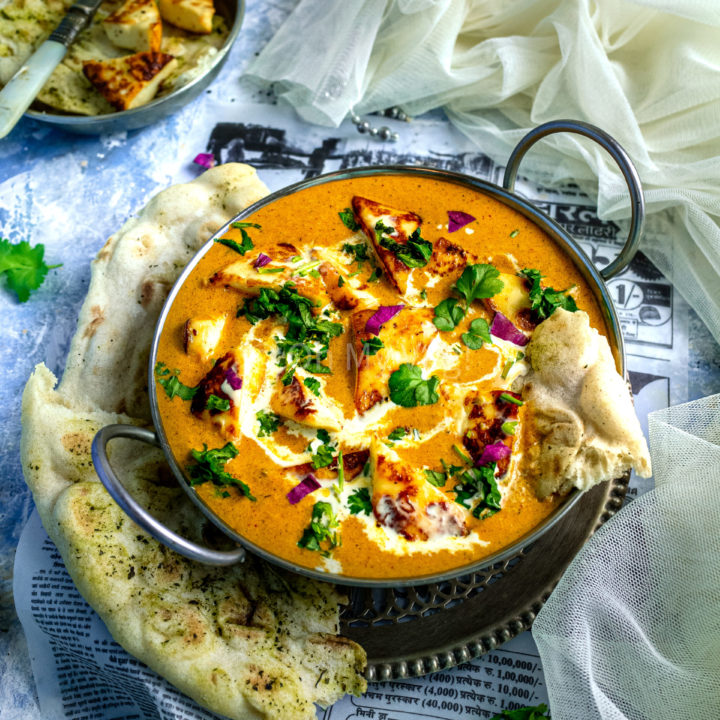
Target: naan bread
[[579, 412], [249, 641]]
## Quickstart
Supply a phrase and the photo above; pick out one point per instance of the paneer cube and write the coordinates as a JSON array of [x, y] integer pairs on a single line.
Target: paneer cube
[[202, 335], [136, 26], [131, 81], [513, 301], [296, 402], [193, 15]]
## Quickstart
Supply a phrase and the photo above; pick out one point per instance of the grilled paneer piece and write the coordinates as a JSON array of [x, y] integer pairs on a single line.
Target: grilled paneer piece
[[296, 402], [244, 275], [406, 338], [202, 335], [404, 501], [513, 301], [193, 15], [136, 26], [218, 395], [487, 413], [130, 81], [346, 294], [403, 224], [353, 464], [447, 259]]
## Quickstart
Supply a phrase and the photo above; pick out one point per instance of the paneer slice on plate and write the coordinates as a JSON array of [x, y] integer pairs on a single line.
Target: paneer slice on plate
[[245, 275], [513, 301], [136, 26], [201, 336], [406, 339], [404, 501], [296, 402], [131, 81], [488, 414], [193, 15], [402, 224]]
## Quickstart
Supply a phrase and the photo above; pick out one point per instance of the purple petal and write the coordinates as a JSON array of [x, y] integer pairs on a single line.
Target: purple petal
[[502, 328], [492, 453], [307, 485], [234, 380], [381, 316], [458, 219], [262, 260], [206, 160]]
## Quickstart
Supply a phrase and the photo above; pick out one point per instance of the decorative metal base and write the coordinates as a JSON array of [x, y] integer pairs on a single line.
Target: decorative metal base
[[413, 631]]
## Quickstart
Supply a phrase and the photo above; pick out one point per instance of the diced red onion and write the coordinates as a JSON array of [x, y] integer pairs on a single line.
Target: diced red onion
[[206, 160], [492, 453], [502, 328], [234, 380], [381, 316], [458, 219], [307, 485], [262, 260]]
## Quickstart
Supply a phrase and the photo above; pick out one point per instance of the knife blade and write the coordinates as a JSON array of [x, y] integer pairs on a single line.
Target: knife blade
[[26, 83]]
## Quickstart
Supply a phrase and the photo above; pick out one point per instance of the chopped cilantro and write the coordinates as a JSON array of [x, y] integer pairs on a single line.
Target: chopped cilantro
[[325, 452], [479, 484], [423, 294], [510, 399], [359, 501], [348, 219], [210, 466], [269, 423], [341, 281], [398, 433], [372, 345], [479, 281], [409, 389], [479, 332], [538, 712], [514, 233], [217, 403], [448, 314], [341, 471], [171, 383], [241, 225], [359, 251], [322, 529], [545, 301], [435, 478], [375, 275], [23, 267], [313, 385], [366, 468], [414, 253], [323, 435], [242, 248]]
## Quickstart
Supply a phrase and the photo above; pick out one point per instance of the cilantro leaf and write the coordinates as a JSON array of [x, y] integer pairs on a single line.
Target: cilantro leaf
[[348, 219], [359, 252], [375, 275], [478, 483], [210, 467], [398, 433], [242, 248], [372, 345], [479, 281], [479, 332], [409, 389], [359, 501], [313, 385], [321, 529], [171, 383], [448, 314], [240, 225], [215, 402], [269, 423], [545, 301], [414, 253], [325, 453], [435, 478], [23, 267]]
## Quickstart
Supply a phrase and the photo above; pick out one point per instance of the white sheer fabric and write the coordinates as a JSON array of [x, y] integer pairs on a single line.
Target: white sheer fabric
[[646, 71], [632, 631]]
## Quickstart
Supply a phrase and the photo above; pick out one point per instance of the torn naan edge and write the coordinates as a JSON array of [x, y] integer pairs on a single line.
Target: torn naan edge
[[249, 641], [581, 424]]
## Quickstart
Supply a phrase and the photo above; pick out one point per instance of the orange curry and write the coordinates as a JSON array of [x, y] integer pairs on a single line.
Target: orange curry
[[341, 375]]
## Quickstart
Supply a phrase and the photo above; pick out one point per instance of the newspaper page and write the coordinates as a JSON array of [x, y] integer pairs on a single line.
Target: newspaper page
[[82, 673]]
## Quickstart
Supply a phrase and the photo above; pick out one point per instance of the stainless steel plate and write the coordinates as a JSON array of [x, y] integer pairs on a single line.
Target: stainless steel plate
[[408, 632]]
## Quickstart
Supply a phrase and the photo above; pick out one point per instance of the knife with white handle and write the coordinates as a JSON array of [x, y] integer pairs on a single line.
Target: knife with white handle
[[26, 83]]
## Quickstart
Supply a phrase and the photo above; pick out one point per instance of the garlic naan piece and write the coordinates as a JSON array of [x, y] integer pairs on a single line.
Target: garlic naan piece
[[580, 418]]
